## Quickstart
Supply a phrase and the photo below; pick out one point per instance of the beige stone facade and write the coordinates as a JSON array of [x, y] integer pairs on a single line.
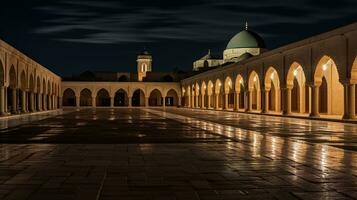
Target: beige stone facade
[[314, 77], [26, 86]]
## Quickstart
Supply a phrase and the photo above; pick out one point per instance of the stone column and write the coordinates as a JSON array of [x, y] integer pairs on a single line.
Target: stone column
[[60, 102], [146, 102], [217, 101], [209, 101], [130, 102], [14, 101], [266, 106], [179, 102], [44, 105], [2, 100], [236, 101], [203, 102], [112, 102], [287, 101], [38, 107], [349, 96], [5, 100], [78, 102], [32, 106], [163, 102], [315, 102], [196, 103], [250, 96], [23, 103], [94, 102], [226, 102], [192, 101]]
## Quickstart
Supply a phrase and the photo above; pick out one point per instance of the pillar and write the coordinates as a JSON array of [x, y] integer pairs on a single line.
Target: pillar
[[225, 101], [60, 102], [78, 103], [38, 102], [14, 101], [216, 101], [112, 102], [5, 100], [146, 102], [288, 101], [236, 101], [179, 102], [32, 99], [44, 105], [163, 102], [130, 102], [196, 102], [23, 103], [315, 101], [203, 101], [209, 101], [250, 96], [266, 105], [2, 100], [94, 102], [349, 96]]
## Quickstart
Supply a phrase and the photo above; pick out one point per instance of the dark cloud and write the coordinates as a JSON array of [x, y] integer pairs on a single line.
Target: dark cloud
[[72, 35]]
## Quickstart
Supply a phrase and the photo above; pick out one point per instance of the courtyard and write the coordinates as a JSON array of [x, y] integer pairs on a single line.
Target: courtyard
[[155, 153]]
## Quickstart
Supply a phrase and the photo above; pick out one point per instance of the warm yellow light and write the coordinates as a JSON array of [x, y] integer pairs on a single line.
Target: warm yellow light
[[272, 76], [324, 67], [255, 79], [295, 72]]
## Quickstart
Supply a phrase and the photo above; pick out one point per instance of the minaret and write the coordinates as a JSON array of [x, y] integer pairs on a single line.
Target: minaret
[[144, 64]]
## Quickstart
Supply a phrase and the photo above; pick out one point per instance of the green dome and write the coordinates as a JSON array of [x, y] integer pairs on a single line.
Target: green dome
[[246, 39]]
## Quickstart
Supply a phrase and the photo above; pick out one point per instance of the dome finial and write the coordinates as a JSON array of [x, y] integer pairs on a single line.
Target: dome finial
[[246, 25], [209, 51]]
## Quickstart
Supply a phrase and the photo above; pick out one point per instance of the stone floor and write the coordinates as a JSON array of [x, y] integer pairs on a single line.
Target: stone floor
[[176, 154]]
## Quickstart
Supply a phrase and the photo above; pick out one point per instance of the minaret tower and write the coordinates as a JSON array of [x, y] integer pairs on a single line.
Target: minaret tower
[[144, 61]]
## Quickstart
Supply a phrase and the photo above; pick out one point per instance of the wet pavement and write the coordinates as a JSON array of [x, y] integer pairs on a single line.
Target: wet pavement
[[177, 154]]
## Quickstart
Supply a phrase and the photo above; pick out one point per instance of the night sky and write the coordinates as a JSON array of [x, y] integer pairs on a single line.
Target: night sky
[[72, 36]]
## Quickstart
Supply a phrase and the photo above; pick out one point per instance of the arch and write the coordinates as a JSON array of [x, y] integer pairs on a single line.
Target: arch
[[229, 93], [123, 78], [138, 98], [103, 98], [254, 92], [32, 84], [12, 77], [12, 101], [171, 98], [69, 97], [155, 98], [219, 96], [327, 76], [300, 92], [272, 89], [210, 93], [2, 73], [239, 88], [354, 79], [121, 98], [85, 98]]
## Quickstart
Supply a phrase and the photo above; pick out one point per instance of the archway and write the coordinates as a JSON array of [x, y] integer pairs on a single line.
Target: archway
[[85, 98], [239, 87], [330, 94], [254, 92], [138, 98], [155, 98], [69, 97], [272, 90], [300, 96], [354, 81], [12, 97], [22, 93], [121, 98], [229, 93], [188, 96], [204, 95], [198, 97], [210, 94], [218, 99], [103, 98], [171, 98], [38, 94], [31, 98]]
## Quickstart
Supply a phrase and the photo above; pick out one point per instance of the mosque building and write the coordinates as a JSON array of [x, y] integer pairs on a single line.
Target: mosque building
[[315, 77]]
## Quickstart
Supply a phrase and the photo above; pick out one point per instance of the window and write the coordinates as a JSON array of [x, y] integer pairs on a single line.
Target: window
[[144, 67]]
